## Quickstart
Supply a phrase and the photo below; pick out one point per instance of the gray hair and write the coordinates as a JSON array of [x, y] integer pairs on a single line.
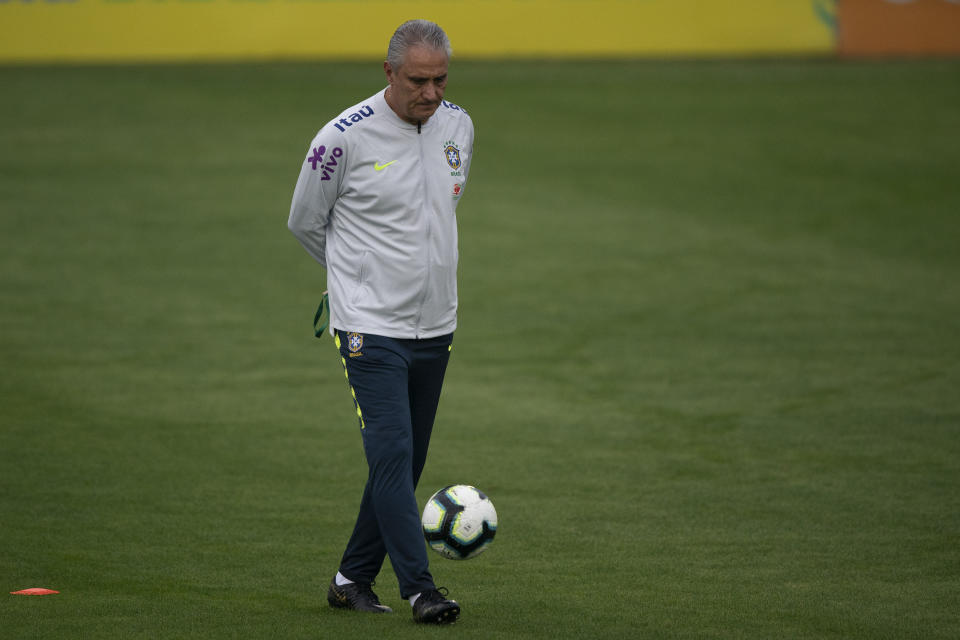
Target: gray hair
[[416, 32]]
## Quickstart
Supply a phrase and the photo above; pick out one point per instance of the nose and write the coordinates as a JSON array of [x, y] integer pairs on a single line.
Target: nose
[[431, 92]]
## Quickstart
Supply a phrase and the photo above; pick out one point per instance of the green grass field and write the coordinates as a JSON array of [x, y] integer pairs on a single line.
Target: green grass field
[[708, 336]]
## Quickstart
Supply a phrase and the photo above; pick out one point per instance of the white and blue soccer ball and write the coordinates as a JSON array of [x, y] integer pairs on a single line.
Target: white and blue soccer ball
[[459, 522]]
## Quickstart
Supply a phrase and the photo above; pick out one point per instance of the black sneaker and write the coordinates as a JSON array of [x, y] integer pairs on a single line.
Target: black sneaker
[[356, 596], [433, 607]]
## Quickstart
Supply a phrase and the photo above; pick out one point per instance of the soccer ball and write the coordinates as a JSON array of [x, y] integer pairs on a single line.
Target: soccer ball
[[459, 522]]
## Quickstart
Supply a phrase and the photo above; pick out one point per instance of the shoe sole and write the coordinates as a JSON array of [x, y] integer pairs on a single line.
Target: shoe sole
[[447, 616]]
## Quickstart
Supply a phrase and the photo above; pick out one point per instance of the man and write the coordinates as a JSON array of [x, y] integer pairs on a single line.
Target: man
[[376, 206]]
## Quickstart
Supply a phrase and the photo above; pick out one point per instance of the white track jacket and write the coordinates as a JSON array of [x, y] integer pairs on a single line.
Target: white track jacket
[[376, 206]]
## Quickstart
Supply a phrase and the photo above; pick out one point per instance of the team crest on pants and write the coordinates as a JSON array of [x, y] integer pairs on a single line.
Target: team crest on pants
[[355, 343]]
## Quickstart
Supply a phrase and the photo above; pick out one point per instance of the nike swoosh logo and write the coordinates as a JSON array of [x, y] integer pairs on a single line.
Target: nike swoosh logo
[[380, 167]]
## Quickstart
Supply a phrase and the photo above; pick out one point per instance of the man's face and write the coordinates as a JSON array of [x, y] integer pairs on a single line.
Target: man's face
[[416, 86]]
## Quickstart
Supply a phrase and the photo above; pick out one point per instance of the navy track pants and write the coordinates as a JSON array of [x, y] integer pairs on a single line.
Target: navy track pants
[[396, 388]]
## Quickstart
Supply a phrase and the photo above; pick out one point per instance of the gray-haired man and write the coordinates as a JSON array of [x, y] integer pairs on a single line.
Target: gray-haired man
[[375, 204]]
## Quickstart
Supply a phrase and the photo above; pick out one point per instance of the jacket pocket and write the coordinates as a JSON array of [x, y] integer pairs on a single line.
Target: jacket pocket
[[363, 272]]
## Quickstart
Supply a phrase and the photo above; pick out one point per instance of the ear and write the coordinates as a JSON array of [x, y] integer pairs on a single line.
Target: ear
[[388, 71]]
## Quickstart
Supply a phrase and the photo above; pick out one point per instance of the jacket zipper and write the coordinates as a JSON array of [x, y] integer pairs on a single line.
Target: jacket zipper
[[426, 204]]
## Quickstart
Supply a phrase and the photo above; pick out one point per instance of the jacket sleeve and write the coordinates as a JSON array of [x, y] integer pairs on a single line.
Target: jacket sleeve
[[470, 146], [319, 185]]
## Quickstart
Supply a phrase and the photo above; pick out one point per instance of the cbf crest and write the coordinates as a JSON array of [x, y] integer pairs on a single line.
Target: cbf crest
[[354, 342], [452, 153]]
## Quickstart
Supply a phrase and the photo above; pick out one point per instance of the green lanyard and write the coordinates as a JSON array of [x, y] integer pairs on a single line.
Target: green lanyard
[[318, 327]]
